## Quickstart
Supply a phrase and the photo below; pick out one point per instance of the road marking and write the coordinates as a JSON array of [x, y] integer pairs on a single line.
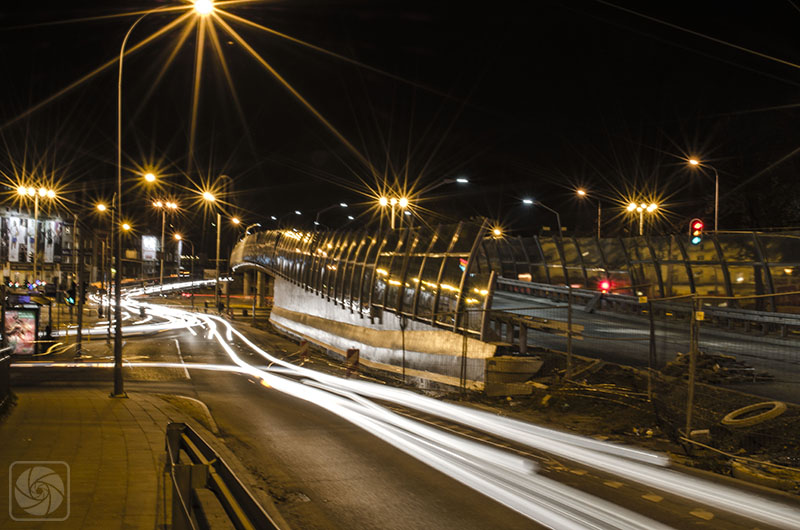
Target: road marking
[[185, 371], [653, 497], [578, 471], [613, 484], [702, 514]]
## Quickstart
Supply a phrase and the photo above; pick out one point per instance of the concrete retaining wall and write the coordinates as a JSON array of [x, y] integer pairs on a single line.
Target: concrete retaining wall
[[431, 354]]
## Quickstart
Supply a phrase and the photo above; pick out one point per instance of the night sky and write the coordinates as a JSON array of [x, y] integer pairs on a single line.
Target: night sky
[[526, 99]]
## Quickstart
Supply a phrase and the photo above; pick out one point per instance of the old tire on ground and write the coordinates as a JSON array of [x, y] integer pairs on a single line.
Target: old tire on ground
[[736, 419]]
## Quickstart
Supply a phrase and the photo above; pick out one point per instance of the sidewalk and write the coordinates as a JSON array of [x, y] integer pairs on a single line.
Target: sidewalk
[[114, 449]]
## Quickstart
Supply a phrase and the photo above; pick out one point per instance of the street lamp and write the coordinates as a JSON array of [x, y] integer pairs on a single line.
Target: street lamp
[[210, 198], [331, 207], [394, 202], [30, 191], [163, 206], [696, 163], [531, 202], [247, 230], [180, 238], [641, 208], [582, 194], [201, 8]]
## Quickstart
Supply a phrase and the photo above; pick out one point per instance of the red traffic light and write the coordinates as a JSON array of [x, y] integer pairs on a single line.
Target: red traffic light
[[698, 225], [605, 285]]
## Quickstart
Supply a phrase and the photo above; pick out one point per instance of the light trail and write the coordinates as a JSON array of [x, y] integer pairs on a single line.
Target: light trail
[[505, 477], [640, 466]]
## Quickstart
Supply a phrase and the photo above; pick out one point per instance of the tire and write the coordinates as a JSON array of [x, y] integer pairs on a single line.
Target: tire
[[774, 409]]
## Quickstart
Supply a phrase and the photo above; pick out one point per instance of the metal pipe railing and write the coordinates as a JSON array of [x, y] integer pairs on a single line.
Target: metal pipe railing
[[208, 470]]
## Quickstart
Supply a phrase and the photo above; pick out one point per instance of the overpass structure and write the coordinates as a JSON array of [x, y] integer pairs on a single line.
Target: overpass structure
[[433, 302]]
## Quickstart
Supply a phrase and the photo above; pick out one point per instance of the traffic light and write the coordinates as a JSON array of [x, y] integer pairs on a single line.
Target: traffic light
[[84, 286], [696, 231], [70, 299], [604, 285]]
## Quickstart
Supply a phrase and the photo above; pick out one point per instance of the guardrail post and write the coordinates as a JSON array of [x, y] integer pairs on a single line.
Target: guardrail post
[[5, 379]]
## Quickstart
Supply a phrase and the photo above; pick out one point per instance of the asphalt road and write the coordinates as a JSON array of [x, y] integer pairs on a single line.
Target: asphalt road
[[624, 339], [325, 472]]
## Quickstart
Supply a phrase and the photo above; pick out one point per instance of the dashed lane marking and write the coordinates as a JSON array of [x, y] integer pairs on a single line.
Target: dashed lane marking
[[653, 497], [613, 484], [578, 471], [702, 514]]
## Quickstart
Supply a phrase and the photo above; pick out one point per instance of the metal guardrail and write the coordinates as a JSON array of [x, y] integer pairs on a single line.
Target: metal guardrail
[[5, 375], [207, 470], [720, 316]]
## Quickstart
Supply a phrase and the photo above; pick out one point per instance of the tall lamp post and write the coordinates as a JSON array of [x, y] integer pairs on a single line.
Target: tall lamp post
[[641, 208], [531, 202], [210, 198], [43, 193], [163, 206], [394, 203], [331, 207], [582, 194], [696, 163], [180, 238], [201, 8]]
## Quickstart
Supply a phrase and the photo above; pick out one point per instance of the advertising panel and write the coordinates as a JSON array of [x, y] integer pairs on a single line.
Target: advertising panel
[[16, 237], [20, 330], [149, 248]]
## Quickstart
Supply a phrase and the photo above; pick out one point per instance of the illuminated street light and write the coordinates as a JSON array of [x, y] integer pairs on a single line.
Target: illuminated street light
[[393, 201], [42, 192], [497, 232], [163, 206], [235, 220], [530, 202], [203, 7], [179, 237], [583, 195], [383, 201], [331, 207], [696, 163], [149, 177], [102, 207], [126, 226], [641, 208], [403, 202], [462, 180], [208, 196]]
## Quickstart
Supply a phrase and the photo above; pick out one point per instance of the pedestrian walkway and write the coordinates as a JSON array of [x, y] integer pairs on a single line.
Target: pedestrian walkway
[[112, 449]]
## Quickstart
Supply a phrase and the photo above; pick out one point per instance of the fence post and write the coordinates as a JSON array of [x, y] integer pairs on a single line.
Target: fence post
[[568, 372], [692, 366], [651, 361]]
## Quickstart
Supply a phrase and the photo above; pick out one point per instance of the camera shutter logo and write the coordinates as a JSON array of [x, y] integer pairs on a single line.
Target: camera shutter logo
[[40, 491]]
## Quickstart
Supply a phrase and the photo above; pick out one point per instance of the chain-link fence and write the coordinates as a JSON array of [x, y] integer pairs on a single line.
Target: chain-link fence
[[715, 374]]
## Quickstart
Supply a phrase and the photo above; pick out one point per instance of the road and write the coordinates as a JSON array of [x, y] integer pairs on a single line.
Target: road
[[327, 472], [624, 339]]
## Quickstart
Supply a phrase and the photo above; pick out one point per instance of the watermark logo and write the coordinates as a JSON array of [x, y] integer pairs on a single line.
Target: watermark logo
[[38, 491]]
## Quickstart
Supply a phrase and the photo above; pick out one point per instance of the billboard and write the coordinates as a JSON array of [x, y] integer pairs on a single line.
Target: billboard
[[149, 248], [20, 330]]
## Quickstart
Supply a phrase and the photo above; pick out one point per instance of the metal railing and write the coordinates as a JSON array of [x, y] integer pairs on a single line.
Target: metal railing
[[206, 469], [679, 309], [5, 369]]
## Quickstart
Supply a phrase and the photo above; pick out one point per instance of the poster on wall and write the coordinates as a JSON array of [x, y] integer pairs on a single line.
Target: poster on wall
[[31, 231], [149, 248], [20, 330], [49, 241], [16, 238]]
